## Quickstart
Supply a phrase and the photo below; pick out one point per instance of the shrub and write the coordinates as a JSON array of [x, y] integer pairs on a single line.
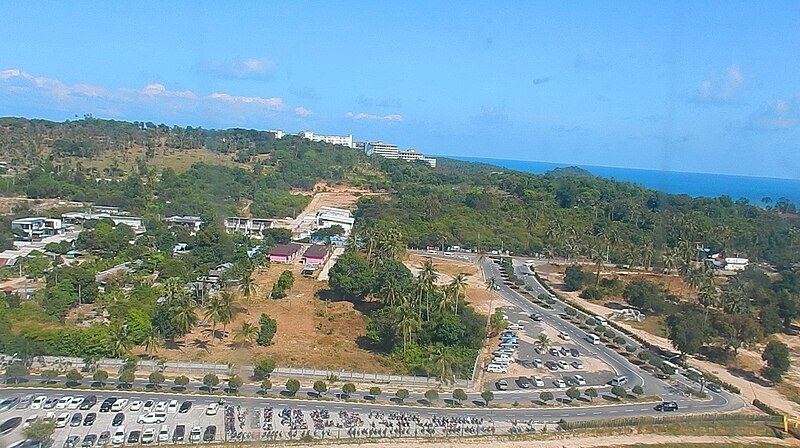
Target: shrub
[[263, 367], [431, 395], [637, 389], [592, 293], [210, 380], [402, 394], [374, 391], [267, 329], [292, 386], [765, 407]]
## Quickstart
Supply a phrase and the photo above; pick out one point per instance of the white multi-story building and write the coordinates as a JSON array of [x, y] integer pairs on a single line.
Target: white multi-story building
[[344, 140], [248, 226], [411, 156], [387, 150], [34, 229], [133, 222], [277, 133]]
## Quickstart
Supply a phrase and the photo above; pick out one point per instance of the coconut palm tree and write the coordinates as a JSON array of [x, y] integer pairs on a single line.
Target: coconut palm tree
[[408, 323], [213, 312], [542, 342], [185, 316], [227, 309], [441, 364], [247, 287], [121, 342], [246, 333], [426, 284], [152, 342], [459, 288]]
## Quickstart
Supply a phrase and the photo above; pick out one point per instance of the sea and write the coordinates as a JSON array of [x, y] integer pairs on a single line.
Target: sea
[[752, 188]]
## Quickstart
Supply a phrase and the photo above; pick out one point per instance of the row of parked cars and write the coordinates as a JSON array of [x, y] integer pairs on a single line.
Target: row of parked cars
[[150, 436], [504, 355]]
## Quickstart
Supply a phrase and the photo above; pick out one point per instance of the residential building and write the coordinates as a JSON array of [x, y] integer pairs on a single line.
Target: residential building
[[34, 229], [344, 140], [277, 133], [192, 223], [133, 222], [316, 254], [247, 226], [387, 150], [285, 253], [331, 216], [413, 156]]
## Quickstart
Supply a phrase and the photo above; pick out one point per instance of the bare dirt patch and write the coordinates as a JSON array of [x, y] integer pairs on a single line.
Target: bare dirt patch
[[310, 333]]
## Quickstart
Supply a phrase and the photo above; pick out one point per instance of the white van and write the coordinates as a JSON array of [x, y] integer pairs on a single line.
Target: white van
[[496, 368], [593, 338], [503, 362], [601, 321], [504, 357], [619, 380]]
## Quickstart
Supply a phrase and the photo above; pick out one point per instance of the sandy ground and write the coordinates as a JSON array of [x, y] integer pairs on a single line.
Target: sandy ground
[[307, 332], [565, 441], [7, 204], [750, 390]]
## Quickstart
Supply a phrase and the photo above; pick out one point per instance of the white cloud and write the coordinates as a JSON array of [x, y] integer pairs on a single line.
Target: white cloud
[[54, 94], [238, 69], [303, 112], [781, 115], [721, 90], [371, 117]]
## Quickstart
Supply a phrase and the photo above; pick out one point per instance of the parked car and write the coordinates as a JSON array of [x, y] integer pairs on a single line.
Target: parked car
[[538, 381], [89, 441], [105, 406], [212, 408], [523, 382], [559, 383], [75, 402], [118, 419], [501, 385], [103, 439], [133, 437], [8, 403], [71, 442], [172, 407], [119, 405], [564, 335], [185, 407], [161, 407], [153, 417], [194, 435], [38, 402], [551, 365], [562, 364], [515, 326], [536, 317], [574, 352], [713, 387], [50, 403], [580, 380], [537, 363], [25, 402], [76, 419], [210, 433], [148, 436], [136, 405], [88, 403], [496, 368], [148, 406], [9, 425], [62, 420], [564, 351], [63, 402], [29, 420], [179, 433], [554, 352], [577, 364], [163, 434], [119, 436], [89, 419]]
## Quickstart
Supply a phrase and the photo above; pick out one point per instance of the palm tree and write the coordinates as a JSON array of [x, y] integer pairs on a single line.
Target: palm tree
[[670, 259], [213, 312], [248, 287], [459, 288], [426, 282], [152, 342], [542, 342], [408, 323], [121, 343], [442, 362], [227, 310], [247, 333], [184, 316]]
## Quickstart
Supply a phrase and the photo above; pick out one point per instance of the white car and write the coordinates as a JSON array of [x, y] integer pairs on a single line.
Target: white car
[[148, 436], [538, 382], [194, 436], [172, 407], [577, 364], [119, 436], [563, 335], [559, 383], [62, 420], [538, 364], [38, 402], [496, 368], [212, 409], [514, 326], [161, 407], [119, 405], [163, 434], [75, 402], [153, 417], [63, 402], [29, 421], [562, 364], [136, 405], [148, 406], [580, 380]]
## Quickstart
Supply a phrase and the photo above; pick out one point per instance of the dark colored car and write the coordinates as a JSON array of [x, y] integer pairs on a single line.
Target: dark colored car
[[185, 407], [713, 387], [89, 419], [9, 425], [667, 406], [574, 352], [179, 433], [524, 382], [89, 440], [71, 442], [88, 402], [133, 437], [8, 403], [210, 433], [118, 419], [76, 419], [105, 406]]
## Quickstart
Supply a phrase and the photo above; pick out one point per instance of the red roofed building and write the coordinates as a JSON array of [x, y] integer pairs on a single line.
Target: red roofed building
[[316, 254], [285, 253]]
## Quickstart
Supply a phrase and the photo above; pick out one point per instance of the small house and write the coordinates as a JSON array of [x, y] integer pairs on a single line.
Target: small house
[[316, 254], [285, 253]]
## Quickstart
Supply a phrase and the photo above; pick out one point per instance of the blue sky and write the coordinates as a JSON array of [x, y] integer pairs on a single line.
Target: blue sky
[[688, 86]]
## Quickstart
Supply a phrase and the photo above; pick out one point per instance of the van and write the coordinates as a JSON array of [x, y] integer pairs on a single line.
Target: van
[[503, 356], [593, 338], [496, 368], [619, 380], [601, 320], [503, 362]]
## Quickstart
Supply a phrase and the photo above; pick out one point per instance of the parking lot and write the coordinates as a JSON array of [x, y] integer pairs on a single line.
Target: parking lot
[[555, 367], [153, 421]]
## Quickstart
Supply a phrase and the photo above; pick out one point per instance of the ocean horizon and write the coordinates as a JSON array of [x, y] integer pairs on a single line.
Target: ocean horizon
[[752, 188]]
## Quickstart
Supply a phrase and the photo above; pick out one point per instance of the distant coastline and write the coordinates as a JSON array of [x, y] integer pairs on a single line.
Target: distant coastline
[[675, 182]]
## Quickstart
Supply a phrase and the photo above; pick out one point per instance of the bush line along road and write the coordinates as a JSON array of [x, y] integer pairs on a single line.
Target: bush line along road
[[354, 415]]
